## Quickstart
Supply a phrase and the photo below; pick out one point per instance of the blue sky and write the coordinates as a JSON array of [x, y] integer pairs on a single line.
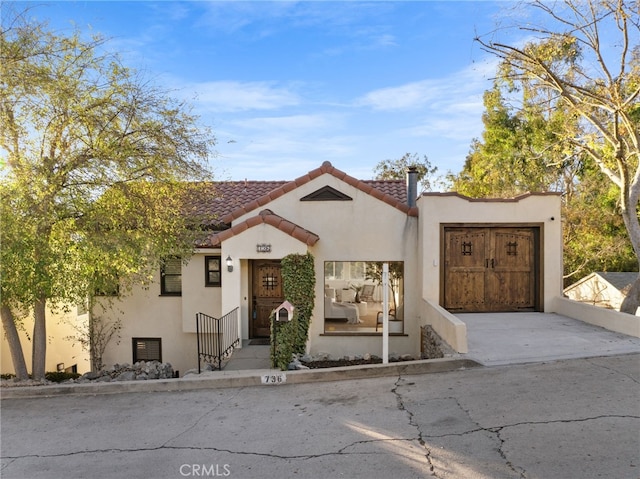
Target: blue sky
[[287, 85]]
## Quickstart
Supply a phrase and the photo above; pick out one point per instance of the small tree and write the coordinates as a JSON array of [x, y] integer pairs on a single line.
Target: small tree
[[397, 170], [95, 335], [396, 275]]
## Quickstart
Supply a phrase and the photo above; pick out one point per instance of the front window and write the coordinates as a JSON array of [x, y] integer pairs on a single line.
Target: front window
[[213, 270], [353, 297], [171, 277]]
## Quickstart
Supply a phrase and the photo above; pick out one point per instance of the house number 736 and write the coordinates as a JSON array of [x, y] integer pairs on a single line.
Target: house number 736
[[278, 378]]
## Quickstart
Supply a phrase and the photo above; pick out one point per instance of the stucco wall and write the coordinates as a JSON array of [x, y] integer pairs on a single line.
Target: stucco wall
[[605, 318], [242, 249], [196, 296], [450, 329], [59, 350], [537, 209], [146, 314], [365, 229]]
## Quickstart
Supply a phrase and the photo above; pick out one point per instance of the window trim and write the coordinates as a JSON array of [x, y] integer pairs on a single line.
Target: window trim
[[163, 275], [207, 282], [134, 343]]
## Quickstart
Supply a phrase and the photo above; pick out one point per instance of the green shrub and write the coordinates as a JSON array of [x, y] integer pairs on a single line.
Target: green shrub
[[60, 376], [54, 376]]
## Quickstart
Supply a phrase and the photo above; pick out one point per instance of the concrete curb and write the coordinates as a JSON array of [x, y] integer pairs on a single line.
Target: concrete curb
[[235, 379]]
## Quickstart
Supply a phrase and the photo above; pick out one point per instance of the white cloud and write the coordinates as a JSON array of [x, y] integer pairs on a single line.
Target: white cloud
[[287, 123], [462, 87], [231, 96], [386, 40], [411, 95]]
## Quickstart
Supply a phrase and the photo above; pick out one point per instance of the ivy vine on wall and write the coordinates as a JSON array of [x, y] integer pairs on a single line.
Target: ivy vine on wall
[[299, 282]]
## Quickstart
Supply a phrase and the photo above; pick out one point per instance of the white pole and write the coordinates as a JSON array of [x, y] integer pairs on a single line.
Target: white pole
[[385, 313]]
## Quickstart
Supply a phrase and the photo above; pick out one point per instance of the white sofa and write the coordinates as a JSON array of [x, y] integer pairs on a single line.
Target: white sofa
[[333, 310]]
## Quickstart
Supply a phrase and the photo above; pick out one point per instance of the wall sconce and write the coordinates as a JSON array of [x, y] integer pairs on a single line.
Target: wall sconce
[[229, 264]]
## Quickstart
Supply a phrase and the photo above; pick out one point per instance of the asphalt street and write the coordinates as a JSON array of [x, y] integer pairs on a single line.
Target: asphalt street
[[577, 418]]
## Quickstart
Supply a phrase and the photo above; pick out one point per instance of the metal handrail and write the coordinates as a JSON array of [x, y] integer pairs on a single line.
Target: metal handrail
[[217, 338]]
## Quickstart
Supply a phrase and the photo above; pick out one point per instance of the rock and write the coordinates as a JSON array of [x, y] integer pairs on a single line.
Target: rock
[[126, 376], [141, 370], [406, 357], [367, 357], [432, 345], [103, 379], [295, 364], [90, 375], [190, 371]]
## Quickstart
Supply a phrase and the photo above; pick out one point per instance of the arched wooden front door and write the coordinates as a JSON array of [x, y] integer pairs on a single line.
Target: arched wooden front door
[[267, 295]]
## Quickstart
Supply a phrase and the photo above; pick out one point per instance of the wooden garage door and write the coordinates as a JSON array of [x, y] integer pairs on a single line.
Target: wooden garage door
[[490, 269]]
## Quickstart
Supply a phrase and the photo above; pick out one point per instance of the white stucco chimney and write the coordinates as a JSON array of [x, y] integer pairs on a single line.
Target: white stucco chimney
[[412, 185]]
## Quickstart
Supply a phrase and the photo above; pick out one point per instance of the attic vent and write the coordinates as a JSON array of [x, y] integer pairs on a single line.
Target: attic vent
[[326, 193]]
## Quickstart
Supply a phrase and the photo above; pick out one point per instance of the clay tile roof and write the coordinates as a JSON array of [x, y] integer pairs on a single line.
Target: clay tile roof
[[219, 199], [229, 200], [264, 217]]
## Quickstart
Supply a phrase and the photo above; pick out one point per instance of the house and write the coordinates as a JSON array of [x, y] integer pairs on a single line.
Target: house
[[447, 254], [604, 289]]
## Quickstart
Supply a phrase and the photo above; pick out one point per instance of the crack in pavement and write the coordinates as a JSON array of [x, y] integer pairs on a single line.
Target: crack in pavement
[[197, 421], [166, 446], [340, 451], [412, 422], [496, 431], [614, 370]]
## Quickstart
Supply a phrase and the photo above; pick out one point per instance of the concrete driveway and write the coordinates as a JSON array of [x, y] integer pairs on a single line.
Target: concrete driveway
[[513, 338]]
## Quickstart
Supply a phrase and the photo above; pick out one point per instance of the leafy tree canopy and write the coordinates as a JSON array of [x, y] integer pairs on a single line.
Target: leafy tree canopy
[[583, 59], [94, 159], [397, 170]]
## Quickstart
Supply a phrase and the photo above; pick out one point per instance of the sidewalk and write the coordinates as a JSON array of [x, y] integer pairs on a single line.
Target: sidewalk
[[244, 378], [249, 357]]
